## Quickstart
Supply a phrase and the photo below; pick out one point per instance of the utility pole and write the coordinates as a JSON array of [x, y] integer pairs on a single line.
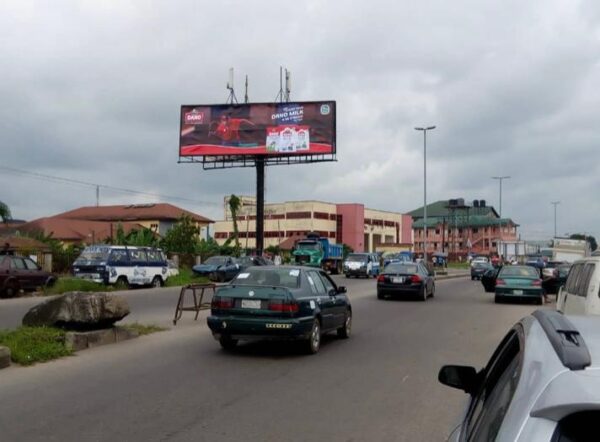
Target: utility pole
[[500, 178], [424, 130], [555, 203], [97, 196]]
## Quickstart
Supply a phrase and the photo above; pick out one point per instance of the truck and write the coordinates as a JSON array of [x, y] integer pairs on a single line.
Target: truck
[[318, 251], [570, 250]]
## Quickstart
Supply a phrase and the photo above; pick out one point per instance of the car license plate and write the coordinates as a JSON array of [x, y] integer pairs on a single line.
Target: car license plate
[[250, 303], [398, 279], [517, 292]]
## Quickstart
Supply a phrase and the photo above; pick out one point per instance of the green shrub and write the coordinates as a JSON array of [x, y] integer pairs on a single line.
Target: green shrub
[[186, 276], [63, 285], [29, 345]]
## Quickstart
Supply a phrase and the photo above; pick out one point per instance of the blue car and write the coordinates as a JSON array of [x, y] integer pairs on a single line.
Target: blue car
[[218, 268]]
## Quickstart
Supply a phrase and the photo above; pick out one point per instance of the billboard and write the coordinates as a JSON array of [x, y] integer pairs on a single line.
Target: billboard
[[269, 129]]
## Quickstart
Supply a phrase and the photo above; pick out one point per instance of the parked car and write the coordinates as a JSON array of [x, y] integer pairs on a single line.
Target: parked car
[[249, 261], [542, 384], [518, 282], [479, 269], [361, 265], [479, 259], [280, 302], [21, 273], [218, 268], [126, 265], [402, 279], [580, 294]]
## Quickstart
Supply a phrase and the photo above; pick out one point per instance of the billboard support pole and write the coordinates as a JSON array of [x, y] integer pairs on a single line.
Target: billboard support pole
[[260, 205]]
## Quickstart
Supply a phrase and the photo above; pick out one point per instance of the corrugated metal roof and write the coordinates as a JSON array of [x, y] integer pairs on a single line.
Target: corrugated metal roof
[[131, 212]]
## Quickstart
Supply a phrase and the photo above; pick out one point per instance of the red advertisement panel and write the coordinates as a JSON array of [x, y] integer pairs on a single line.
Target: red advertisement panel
[[277, 129]]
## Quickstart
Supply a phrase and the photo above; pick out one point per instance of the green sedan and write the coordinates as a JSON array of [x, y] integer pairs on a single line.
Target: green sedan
[[522, 282], [281, 303]]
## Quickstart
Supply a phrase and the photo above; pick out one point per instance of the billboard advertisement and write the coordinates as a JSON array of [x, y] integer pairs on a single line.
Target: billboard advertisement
[[270, 129]]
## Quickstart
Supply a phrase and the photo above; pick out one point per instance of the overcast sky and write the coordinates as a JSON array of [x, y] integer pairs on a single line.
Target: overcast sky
[[91, 91]]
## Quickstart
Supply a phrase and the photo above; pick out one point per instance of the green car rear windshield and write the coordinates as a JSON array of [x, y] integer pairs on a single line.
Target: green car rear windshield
[[281, 277], [519, 271]]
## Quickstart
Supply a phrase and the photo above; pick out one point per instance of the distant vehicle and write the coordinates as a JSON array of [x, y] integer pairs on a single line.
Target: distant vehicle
[[521, 282], [21, 273], [479, 269], [218, 268], [570, 250], [317, 251], [127, 265], [550, 269], [580, 294], [404, 256], [402, 279], [479, 259], [249, 261], [535, 261], [361, 265], [280, 302], [552, 284], [540, 385]]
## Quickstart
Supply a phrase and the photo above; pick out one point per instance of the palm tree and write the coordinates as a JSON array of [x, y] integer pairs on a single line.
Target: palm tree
[[234, 207], [5, 213]]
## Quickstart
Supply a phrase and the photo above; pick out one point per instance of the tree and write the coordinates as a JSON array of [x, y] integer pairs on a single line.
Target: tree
[[589, 238], [234, 208], [182, 238], [346, 250], [5, 213], [207, 248]]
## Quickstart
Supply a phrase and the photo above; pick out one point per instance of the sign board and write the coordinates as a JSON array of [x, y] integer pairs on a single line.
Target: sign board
[[258, 129]]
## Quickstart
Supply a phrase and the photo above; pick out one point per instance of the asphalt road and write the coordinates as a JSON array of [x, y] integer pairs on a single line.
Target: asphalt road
[[380, 385]]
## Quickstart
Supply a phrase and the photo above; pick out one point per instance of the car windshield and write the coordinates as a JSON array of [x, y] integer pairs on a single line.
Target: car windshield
[[94, 254], [246, 261], [356, 258], [563, 270], [280, 277], [401, 268], [216, 260], [519, 271], [480, 265], [308, 245]]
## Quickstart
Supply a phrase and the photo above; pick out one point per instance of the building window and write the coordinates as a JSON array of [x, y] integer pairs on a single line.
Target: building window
[[299, 215], [437, 231], [475, 230], [321, 215], [154, 227]]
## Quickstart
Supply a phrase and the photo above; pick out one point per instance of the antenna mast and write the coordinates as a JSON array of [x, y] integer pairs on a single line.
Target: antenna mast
[[232, 98]]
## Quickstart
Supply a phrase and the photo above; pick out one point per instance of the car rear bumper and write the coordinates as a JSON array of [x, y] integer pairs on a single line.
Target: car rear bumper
[[260, 328], [519, 293], [356, 272], [398, 289]]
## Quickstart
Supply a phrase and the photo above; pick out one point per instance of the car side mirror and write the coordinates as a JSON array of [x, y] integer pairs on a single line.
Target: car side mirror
[[237, 266], [459, 376], [341, 289]]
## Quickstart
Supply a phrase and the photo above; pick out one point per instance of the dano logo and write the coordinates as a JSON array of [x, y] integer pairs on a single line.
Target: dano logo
[[194, 117]]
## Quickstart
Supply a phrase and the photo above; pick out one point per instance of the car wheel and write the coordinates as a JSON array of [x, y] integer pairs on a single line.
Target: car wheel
[[227, 343], [379, 295], [11, 290], [423, 294], [122, 283], [347, 276], [472, 278], [540, 301], [344, 331], [498, 299], [432, 294], [314, 341], [157, 282]]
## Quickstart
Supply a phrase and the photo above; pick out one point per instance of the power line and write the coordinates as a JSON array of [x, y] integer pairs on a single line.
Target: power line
[[53, 178]]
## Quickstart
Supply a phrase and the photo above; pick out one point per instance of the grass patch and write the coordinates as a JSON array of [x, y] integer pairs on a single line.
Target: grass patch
[[29, 345], [186, 276], [143, 329], [458, 265], [64, 285]]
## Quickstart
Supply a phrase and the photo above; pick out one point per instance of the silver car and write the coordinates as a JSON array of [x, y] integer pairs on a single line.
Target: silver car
[[541, 384]]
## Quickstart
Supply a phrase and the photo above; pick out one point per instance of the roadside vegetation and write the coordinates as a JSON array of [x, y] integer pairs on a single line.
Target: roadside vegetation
[[29, 345], [143, 329], [186, 276], [458, 265], [69, 284]]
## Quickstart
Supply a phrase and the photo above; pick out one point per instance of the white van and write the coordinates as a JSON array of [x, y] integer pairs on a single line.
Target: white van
[[126, 265], [581, 293]]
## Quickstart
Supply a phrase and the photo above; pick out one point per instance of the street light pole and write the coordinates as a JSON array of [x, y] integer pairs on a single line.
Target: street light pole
[[424, 130], [555, 203], [500, 178]]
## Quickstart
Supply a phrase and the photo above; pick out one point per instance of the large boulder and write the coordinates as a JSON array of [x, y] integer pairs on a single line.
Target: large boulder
[[79, 311]]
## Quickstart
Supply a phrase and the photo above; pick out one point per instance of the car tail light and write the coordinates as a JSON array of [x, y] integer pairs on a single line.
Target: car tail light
[[283, 306], [381, 278], [537, 283], [221, 303], [500, 282], [415, 279]]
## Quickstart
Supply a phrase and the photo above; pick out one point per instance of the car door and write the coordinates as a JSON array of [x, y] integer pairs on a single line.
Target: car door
[[36, 275], [326, 303], [19, 271], [488, 279], [339, 300], [570, 302]]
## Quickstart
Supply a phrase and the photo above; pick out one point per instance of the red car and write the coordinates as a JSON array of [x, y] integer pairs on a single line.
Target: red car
[[20, 273]]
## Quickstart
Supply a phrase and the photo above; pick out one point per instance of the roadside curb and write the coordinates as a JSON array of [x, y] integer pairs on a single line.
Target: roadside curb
[[4, 357]]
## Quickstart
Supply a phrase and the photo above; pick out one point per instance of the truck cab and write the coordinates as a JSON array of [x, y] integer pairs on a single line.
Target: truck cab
[[317, 251]]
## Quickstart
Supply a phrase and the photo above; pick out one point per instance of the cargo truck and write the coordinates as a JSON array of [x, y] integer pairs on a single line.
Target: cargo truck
[[318, 251]]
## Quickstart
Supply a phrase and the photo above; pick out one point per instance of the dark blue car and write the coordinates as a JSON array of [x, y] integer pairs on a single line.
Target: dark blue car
[[218, 268]]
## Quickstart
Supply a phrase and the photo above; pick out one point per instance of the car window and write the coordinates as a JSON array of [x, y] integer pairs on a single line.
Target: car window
[[30, 264], [17, 263], [519, 271], [584, 279], [138, 255], [154, 256], [329, 286], [118, 256], [316, 285], [401, 268], [282, 277], [573, 276], [499, 382]]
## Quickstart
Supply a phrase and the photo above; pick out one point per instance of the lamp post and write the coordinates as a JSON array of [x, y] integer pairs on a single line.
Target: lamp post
[[500, 178], [555, 203], [424, 130]]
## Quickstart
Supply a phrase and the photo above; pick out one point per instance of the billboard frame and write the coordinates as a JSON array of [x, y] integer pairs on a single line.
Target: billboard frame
[[210, 162]]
